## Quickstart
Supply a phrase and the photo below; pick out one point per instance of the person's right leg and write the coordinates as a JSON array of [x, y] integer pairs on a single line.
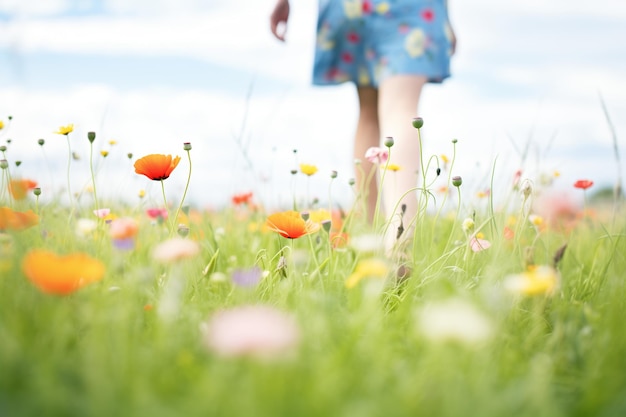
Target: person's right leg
[[367, 135]]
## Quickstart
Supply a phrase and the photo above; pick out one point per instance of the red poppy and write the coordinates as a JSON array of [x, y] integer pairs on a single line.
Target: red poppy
[[243, 198], [19, 188], [291, 225], [583, 184], [157, 167]]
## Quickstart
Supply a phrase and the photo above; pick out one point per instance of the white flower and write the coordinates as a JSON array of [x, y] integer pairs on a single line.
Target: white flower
[[454, 320], [468, 225], [256, 331], [175, 249], [84, 227]]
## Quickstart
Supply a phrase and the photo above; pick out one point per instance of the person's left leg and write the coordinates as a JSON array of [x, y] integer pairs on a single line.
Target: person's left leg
[[397, 106]]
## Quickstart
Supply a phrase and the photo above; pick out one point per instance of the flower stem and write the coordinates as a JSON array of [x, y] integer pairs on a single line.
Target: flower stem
[[166, 210], [93, 177], [180, 206], [380, 189], [69, 163]]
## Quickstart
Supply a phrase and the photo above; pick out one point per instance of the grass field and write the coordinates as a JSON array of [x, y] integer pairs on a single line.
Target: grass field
[[175, 311]]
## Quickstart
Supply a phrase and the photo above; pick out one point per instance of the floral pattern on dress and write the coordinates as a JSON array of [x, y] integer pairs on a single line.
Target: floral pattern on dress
[[365, 41]]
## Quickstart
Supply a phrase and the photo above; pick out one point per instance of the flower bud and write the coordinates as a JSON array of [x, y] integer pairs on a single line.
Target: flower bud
[[183, 230], [389, 141], [4, 164], [455, 140], [91, 136], [457, 181], [294, 171], [305, 215], [187, 146], [129, 155], [418, 122], [37, 191], [3, 148], [18, 163], [41, 142], [333, 174], [351, 182], [326, 225]]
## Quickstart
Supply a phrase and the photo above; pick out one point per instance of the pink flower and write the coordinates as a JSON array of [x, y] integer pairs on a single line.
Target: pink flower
[[254, 331], [102, 213], [175, 249], [377, 155], [478, 245], [157, 213]]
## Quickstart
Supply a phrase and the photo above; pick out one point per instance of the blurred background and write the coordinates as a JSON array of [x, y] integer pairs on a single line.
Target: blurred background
[[529, 79]]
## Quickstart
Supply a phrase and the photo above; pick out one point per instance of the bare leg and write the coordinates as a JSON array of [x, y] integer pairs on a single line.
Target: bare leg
[[367, 135], [398, 101]]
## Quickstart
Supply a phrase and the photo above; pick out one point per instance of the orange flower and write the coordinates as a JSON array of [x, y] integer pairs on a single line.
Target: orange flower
[[61, 275], [291, 225], [583, 184], [157, 167], [243, 198], [15, 220], [19, 188]]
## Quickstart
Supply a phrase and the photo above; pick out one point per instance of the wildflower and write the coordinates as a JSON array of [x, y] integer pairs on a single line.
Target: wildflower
[[468, 225], [247, 277], [157, 167], [157, 213], [583, 184], [242, 198], [536, 280], [444, 159], [367, 268], [478, 244], [393, 167], [308, 169], [15, 220], [55, 274], [453, 320], [483, 194], [65, 130], [4, 164], [41, 142], [175, 249], [291, 225], [457, 181], [377, 155], [389, 142], [112, 142], [85, 227], [102, 213], [418, 122], [535, 220], [141, 193], [123, 232], [508, 233], [104, 153], [19, 188], [260, 332], [1, 125]]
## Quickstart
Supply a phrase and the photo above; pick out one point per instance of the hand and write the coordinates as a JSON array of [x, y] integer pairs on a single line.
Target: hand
[[279, 18]]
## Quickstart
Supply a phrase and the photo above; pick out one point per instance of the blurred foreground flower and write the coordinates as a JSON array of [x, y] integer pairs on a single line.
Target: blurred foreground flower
[[175, 249], [61, 274], [157, 167], [16, 220], [368, 268], [123, 232], [291, 225], [255, 331], [247, 277], [453, 320], [536, 280], [19, 188], [242, 198], [478, 244]]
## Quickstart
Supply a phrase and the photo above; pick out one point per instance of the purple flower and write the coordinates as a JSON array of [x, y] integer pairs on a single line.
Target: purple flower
[[247, 277]]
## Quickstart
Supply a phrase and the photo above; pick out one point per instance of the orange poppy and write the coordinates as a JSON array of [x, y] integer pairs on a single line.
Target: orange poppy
[[61, 275], [157, 167], [291, 225], [19, 188], [16, 220]]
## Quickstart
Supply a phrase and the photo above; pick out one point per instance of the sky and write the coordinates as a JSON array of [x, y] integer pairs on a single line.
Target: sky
[[151, 75]]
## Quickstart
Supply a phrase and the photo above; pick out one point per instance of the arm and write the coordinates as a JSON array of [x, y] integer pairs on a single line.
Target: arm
[[279, 18]]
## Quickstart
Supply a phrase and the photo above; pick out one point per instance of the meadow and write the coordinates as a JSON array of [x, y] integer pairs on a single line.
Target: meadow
[[498, 306]]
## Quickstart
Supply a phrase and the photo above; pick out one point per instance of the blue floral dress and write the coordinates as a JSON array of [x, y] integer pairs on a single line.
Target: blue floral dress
[[365, 41]]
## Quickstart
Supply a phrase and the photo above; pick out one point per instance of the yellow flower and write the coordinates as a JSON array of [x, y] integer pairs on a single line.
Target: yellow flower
[[308, 169], [1, 125], [104, 153], [142, 193], [367, 268], [535, 220], [468, 225], [393, 167], [415, 43], [65, 130], [445, 159], [556, 174], [536, 280], [112, 142]]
